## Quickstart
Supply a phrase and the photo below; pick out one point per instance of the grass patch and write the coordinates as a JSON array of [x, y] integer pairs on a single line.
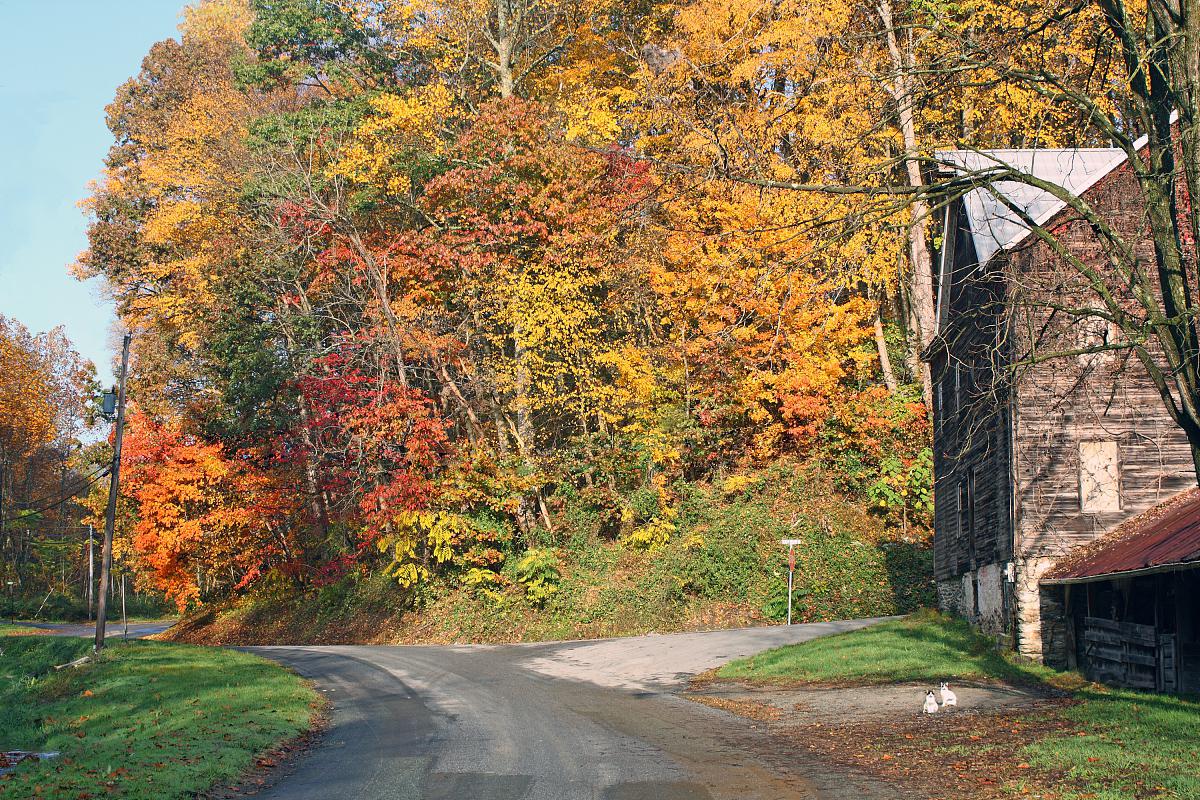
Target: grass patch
[[924, 647], [146, 720], [1113, 744], [1133, 745]]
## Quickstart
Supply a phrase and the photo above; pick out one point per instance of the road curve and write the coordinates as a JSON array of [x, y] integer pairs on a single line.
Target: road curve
[[564, 721], [137, 630]]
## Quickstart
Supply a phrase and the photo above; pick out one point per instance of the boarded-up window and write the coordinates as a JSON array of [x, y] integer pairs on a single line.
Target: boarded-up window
[[1099, 477], [1095, 335]]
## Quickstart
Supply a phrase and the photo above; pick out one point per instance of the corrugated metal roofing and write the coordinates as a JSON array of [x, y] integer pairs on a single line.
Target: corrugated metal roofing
[[1165, 537], [994, 226]]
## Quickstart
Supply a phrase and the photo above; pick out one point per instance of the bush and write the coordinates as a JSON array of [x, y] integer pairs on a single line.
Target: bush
[[538, 571]]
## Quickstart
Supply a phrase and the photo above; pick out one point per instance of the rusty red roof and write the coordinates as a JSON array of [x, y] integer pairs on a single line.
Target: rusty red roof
[[1165, 537]]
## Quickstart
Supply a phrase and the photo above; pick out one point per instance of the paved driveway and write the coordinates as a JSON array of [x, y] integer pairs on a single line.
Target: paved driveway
[[136, 629], [565, 721]]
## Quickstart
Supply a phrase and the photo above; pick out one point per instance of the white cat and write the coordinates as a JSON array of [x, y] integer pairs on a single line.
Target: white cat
[[931, 704], [949, 698]]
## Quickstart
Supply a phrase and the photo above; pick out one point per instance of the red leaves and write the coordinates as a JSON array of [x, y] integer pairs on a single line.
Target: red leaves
[[378, 442]]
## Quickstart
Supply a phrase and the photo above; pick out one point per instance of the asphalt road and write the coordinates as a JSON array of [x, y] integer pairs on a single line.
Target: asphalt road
[[136, 629], [565, 721]]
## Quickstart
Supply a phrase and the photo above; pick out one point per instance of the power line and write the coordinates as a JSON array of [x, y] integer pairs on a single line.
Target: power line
[[85, 483], [89, 481]]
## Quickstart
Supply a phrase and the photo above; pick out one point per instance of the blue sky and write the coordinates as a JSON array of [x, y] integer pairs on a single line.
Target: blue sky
[[60, 65]]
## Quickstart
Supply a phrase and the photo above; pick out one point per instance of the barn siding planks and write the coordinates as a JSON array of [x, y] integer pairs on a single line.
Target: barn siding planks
[[1019, 429], [971, 432], [1093, 397]]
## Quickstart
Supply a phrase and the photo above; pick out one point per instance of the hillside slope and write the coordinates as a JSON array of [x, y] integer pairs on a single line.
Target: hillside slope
[[722, 566]]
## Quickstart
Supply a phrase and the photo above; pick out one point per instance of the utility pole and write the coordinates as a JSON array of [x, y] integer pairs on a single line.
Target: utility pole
[[91, 579], [110, 514]]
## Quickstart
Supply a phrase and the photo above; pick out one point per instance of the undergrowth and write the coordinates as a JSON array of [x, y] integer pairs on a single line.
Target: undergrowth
[[721, 565]]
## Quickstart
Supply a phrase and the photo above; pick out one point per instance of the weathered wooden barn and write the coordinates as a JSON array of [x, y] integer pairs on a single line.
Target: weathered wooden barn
[[1038, 462]]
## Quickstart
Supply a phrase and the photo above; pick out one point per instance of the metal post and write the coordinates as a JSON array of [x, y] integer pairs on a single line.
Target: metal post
[[124, 619], [110, 514], [791, 569], [791, 546]]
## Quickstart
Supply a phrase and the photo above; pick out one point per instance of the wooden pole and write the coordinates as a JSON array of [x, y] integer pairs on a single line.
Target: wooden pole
[[110, 514], [91, 586]]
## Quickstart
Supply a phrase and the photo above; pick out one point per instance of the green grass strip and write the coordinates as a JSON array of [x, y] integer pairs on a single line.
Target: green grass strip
[[1134, 745], [923, 647], [147, 720], [1125, 745]]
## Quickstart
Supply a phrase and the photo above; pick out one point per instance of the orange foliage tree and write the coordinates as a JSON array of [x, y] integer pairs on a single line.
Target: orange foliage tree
[[206, 521]]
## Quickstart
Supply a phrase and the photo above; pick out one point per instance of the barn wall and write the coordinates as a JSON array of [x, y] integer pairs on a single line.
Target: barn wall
[[971, 444], [1096, 397]]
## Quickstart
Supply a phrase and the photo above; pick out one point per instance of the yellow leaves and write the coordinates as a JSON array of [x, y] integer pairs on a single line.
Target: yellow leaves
[[654, 534], [735, 484], [418, 537], [766, 311], [398, 124], [27, 413], [216, 19]]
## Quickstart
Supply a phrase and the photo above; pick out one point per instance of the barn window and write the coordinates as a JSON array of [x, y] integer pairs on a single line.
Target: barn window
[[966, 507], [958, 398], [1099, 477]]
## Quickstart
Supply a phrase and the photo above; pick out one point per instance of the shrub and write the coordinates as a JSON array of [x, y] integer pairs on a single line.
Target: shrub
[[539, 573]]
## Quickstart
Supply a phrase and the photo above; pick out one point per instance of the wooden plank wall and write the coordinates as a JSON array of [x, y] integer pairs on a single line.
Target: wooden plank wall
[[1094, 397], [971, 427]]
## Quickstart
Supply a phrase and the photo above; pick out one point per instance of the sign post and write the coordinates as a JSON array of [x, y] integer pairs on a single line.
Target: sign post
[[791, 546]]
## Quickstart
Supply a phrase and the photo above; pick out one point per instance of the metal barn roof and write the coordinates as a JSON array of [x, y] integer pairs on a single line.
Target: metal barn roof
[[1167, 537], [994, 226]]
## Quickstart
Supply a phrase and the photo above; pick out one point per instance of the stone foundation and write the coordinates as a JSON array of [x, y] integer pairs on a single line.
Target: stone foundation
[[1041, 632], [978, 596], [1041, 628]]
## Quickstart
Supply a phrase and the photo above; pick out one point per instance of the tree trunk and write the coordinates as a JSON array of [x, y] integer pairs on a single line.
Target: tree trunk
[[885, 361], [920, 282]]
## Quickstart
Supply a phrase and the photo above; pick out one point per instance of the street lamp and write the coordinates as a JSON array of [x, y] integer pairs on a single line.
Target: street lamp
[[12, 605]]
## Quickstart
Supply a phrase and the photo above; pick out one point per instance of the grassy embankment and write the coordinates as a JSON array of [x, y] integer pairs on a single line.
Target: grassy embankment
[[1118, 743], [145, 720], [58, 607], [723, 567]]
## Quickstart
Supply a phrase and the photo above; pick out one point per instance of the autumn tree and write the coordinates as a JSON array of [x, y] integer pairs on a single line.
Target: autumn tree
[[45, 390], [426, 269], [206, 520]]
